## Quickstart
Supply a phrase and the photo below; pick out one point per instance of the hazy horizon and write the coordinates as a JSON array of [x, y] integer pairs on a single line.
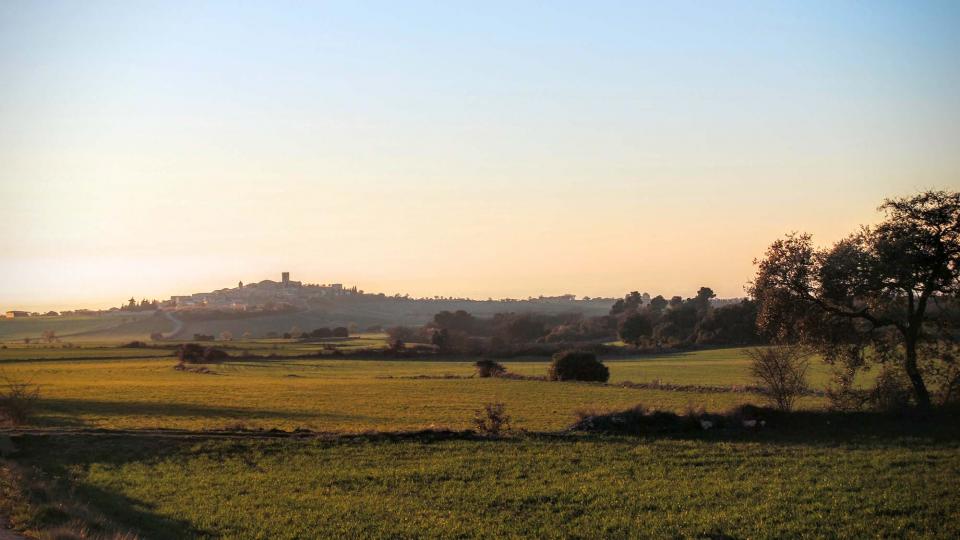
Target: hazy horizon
[[489, 150]]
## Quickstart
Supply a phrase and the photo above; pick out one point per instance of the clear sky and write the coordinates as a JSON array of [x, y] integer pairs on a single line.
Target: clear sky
[[470, 149]]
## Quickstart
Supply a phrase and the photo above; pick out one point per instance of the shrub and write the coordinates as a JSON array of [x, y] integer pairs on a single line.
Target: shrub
[[17, 400], [192, 353], [635, 420], [782, 371], [134, 345], [842, 391], [489, 368], [577, 366], [212, 355], [941, 369], [492, 419], [891, 391], [640, 420], [322, 333]]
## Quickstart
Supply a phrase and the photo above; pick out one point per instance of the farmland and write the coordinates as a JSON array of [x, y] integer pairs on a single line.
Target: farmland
[[526, 486], [540, 481], [349, 395]]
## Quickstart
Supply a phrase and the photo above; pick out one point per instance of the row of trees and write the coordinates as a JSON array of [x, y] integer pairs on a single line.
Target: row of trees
[[143, 305], [638, 319], [679, 322]]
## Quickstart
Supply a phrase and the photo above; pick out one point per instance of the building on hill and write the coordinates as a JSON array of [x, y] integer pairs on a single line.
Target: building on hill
[[257, 295], [285, 281], [15, 314]]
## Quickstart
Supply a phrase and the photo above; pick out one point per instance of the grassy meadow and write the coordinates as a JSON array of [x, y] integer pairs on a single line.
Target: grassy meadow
[[348, 395], [541, 481], [544, 487]]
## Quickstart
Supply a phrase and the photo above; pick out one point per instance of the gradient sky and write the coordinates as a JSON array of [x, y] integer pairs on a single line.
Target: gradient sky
[[470, 149]]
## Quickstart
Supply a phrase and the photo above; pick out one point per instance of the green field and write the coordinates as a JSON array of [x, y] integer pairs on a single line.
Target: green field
[[587, 487], [541, 481], [84, 328], [354, 395]]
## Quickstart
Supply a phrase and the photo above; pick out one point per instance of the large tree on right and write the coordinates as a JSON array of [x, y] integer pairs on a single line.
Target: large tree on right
[[887, 293]]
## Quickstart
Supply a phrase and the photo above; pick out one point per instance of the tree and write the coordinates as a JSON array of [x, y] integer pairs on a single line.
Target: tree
[[782, 372], [627, 304], [702, 300], [658, 303], [50, 335], [635, 328], [459, 320], [440, 338], [886, 292]]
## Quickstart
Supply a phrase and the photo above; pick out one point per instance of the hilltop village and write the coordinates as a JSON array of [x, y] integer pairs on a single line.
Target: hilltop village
[[266, 295]]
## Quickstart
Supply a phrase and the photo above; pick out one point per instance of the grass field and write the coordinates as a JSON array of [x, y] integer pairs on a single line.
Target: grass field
[[585, 487], [354, 395], [81, 328], [540, 482]]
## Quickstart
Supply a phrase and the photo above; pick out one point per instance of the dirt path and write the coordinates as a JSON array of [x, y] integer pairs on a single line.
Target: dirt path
[[177, 325]]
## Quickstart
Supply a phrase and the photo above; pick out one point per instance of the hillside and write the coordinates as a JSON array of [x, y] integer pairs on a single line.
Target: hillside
[[361, 310], [366, 311]]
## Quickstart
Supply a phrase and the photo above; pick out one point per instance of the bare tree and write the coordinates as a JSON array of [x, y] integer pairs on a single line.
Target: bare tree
[[17, 399], [782, 371]]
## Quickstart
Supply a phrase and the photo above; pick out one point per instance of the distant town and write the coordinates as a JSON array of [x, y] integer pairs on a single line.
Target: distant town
[[267, 296]]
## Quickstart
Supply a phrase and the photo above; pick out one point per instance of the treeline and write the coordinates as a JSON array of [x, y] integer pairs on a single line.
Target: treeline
[[144, 305], [639, 320]]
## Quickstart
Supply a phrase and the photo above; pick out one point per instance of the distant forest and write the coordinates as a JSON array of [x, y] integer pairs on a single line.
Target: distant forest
[[639, 320]]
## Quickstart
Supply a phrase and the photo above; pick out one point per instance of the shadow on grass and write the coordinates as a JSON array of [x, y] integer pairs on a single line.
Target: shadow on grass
[[136, 515], [70, 412], [760, 425], [68, 456]]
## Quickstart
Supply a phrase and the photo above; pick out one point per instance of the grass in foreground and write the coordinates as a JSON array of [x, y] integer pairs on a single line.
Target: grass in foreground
[[534, 486]]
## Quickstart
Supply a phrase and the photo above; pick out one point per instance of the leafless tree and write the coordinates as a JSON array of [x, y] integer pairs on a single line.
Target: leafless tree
[[782, 371]]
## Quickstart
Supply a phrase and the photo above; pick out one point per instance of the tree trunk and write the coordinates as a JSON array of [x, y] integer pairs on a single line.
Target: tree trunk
[[913, 372]]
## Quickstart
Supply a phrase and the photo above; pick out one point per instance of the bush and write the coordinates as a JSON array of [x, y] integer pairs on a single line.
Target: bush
[[640, 420], [492, 419], [891, 391], [322, 333], [192, 353], [489, 368], [577, 366], [17, 400], [782, 371], [212, 355]]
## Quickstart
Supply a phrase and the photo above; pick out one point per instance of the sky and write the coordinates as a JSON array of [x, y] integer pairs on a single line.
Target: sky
[[479, 149]]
